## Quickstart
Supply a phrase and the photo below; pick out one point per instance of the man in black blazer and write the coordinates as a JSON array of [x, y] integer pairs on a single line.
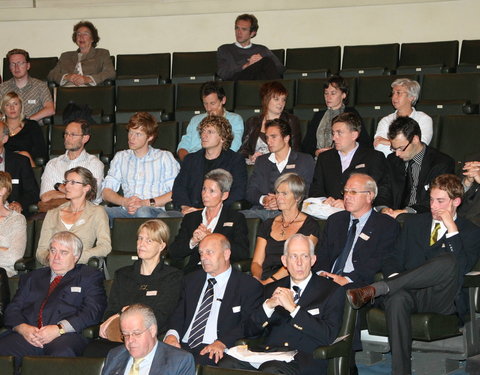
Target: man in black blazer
[[231, 297], [281, 159], [24, 186], [142, 350], [301, 312], [411, 167], [425, 269], [355, 263], [196, 225], [54, 304], [334, 166]]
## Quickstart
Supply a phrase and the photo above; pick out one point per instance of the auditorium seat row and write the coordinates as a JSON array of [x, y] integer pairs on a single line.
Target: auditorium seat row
[[409, 58]]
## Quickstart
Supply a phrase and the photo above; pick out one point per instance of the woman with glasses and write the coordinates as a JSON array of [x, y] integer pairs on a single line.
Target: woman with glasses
[[405, 93], [266, 263], [80, 216], [147, 281], [13, 229], [88, 65], [25, 136]]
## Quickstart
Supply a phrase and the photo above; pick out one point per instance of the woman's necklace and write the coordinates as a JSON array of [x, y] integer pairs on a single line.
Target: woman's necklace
[[76, 211], [14, 131], [285, 226]]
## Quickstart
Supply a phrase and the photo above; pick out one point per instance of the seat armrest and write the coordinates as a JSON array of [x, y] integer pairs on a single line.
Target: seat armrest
[[242, 265], [471, 280], [25, 264], [169, 206], [338, 349], [91, 332]]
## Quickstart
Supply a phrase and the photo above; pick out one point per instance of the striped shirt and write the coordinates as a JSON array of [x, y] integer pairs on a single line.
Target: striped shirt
[[147, 177], [416, 166]]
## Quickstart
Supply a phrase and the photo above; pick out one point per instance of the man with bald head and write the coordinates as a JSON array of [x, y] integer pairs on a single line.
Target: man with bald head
[[300, 312], [215, 305], [142, 351]]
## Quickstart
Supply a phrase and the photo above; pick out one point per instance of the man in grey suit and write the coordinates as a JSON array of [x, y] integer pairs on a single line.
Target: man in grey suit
[[143, 353]]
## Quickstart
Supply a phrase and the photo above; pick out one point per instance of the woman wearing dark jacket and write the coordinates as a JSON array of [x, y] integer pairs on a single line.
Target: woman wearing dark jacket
[[274, 96], [319, 131]]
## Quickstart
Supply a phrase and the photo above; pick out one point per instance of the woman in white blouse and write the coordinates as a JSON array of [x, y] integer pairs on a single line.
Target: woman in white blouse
[[13, 229], [405, 93]]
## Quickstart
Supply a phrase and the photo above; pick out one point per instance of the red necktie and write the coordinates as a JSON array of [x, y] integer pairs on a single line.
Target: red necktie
[[51, 288]]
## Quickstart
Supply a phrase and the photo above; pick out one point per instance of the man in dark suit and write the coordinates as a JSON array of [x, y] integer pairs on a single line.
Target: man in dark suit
[[142, 351], [215, 305], [281, 159], [24, 186], [470, 207], [411, 167], [301, 312], [352, 255], [54, 304], [334, 166], [214, 218], [425, 269]]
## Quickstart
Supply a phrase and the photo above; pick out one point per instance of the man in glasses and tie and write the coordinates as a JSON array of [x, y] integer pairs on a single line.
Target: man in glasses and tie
[[215, 305], [54, 304], [424, 271], [52, 189], [142, 353], [411, 167], [300, 312]]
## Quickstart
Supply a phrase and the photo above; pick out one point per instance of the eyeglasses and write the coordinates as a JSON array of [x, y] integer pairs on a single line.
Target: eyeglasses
[[136, 134], [400, 149], [20, 63], [83, 34], [73, 182], [354, 192], [135, 335], [67, 134]]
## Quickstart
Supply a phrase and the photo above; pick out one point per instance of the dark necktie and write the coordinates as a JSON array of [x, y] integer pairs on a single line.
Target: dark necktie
[[200, 321], [342, 258], [297, 291], [51, 288], [407, 190]]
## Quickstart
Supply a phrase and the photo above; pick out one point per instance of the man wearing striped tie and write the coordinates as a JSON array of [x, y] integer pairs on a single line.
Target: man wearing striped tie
[[215, 305], [300, 312], [425, 269]]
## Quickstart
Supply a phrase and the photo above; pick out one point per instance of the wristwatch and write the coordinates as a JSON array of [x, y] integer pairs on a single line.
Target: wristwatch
[[60, 329], [57, 185], [152, 202]]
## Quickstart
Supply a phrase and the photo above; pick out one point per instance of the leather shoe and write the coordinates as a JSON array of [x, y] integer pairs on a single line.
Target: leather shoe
[[360, 296]]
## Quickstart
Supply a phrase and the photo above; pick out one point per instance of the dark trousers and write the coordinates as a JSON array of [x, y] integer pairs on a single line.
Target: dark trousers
[[270, 367], [432, 287], [203, 360], [263, 69]]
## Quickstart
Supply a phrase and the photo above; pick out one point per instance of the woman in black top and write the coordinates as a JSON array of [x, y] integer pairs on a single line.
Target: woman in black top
[[25, 136]]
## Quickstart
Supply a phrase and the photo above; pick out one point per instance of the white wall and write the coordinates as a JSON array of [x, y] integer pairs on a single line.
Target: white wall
[[46, 31]]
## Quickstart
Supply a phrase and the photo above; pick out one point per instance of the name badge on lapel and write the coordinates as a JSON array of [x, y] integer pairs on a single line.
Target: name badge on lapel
[[236, 309], [151, 293], [76, 289], [360, 166], [364, 236], [314, 311], [290, 166], [15, 181], [228, 224]]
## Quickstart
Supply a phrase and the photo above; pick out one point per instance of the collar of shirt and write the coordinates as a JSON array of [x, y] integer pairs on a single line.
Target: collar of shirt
[[347, 159], [302, 284], [280, 165], [417, 159], [145, 365], [214, 221], [83, 155], [443, 228], [361, 220], [221, 279], [243, 47], [147, 156]]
